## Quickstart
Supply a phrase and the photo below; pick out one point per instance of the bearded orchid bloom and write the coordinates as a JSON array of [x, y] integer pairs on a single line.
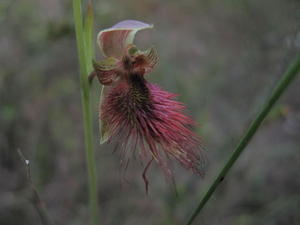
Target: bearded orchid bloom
[[141, 117]]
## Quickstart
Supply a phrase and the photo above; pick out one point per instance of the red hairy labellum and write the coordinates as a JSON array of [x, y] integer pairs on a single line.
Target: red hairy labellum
[[141, 117]]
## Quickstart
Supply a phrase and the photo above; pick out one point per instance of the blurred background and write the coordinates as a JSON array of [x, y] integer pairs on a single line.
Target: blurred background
[[221, 57]]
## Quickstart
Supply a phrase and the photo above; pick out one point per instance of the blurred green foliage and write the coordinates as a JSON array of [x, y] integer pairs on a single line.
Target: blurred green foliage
[[221, 57]]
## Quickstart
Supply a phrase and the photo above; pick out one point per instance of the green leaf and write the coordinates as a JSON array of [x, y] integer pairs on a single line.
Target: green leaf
[[281, 87], [84, 48]]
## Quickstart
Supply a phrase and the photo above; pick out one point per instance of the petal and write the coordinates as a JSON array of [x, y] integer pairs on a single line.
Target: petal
[[106, 70], [146, 60], [114, 40], [103, 126]]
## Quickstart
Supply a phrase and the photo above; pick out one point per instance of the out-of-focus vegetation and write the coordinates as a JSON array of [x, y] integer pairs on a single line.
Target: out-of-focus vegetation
[[222, 57]]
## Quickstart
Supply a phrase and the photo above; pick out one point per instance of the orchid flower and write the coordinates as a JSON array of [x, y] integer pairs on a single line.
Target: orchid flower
[[141, 117]]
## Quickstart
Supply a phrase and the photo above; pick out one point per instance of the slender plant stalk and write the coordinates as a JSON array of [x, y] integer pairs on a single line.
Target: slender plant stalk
[[283, 83], [35, 197], [84, 47], [88, 38]]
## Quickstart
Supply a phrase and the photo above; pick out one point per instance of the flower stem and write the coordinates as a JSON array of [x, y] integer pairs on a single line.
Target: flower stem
[[84, 48], [283, 83], [35, 196]]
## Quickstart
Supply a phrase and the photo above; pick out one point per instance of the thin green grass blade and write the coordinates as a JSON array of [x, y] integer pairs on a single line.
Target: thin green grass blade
[[283, 83], [85, 57], [77, 14], [88, 32]]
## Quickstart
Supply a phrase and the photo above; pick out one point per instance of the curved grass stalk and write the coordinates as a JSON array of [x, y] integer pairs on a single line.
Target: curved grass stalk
[[85, 52], [283, 83], [35, 198]]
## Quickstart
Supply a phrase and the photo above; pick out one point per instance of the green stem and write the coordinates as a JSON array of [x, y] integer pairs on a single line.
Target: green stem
[[84, 61], [88, 38], [286, 79]]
